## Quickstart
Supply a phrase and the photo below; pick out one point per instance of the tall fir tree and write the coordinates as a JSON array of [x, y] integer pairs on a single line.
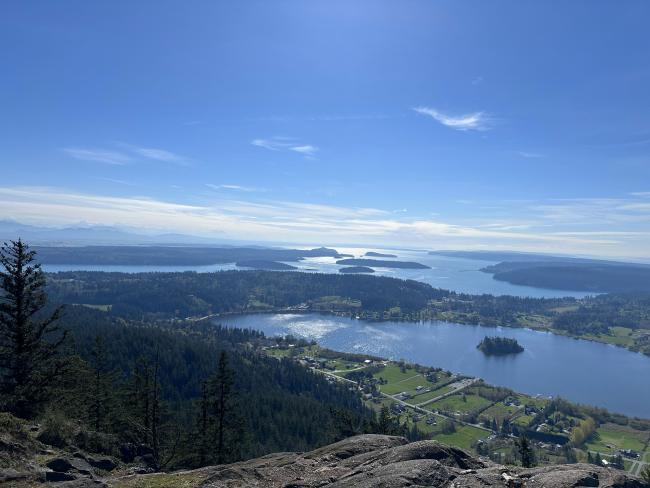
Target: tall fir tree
[[225, 414], [30, 345], [102, 388], [526, 453]]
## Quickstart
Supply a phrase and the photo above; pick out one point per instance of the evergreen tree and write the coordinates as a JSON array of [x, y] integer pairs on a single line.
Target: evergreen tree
[[30, 347], [226, 419], [204, 424], [526, 453], [385, 422], [570, 454], [618, 462], [598, 460], [102, 387], [140, 396]]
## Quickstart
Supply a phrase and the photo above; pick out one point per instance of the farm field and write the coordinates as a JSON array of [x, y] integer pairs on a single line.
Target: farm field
[[460, 403]]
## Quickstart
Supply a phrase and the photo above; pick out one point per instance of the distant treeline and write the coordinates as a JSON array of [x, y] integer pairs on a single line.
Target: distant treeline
[[180, 295]]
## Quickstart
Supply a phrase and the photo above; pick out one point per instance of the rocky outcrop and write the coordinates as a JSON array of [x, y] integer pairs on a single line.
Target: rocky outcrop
[[391, 462], [365, 461]]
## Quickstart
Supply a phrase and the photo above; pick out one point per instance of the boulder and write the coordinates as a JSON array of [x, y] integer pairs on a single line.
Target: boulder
[[10, 474], [57, 476], [59, 464], [127, 452], [72, 464], [105, 463]]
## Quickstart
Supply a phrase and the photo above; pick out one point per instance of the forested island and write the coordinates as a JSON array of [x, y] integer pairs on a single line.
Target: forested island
[[373, 254], [264, 264], [377, 263], [356, 269], [595, 277], [561, 272], [499, 346]]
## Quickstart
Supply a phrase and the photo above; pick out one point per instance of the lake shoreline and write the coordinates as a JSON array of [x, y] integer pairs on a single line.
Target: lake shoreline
[[550, 365]]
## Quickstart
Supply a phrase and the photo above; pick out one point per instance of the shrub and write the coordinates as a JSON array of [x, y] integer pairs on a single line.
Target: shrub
[[56, 430]]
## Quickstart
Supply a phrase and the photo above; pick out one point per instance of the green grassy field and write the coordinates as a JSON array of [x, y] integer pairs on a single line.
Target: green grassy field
[[464, 436], [409, 385], [455, 403], [393, 374], [523, 420], [499, 411], [618, 437], [528, 400], [429, 395]]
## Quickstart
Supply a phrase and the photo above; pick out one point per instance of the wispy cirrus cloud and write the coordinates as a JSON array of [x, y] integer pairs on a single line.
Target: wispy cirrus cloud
[[156, 154], [307, 149], [98, 155], [126, 154], [286, 144], [478, 121], [233, 187]]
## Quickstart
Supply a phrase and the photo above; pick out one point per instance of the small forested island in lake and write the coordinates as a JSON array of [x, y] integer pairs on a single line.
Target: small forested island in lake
[[356, 269], [372, 254], [499, 346]]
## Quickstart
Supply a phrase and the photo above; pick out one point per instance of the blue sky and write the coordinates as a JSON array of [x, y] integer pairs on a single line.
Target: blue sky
[[430, 124]]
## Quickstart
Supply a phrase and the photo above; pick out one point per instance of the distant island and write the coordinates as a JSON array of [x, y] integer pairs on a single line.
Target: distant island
[[266, 265], [356, 269], [591, 277], [372, 254], [499, 346], [174, 255], [376, 263]]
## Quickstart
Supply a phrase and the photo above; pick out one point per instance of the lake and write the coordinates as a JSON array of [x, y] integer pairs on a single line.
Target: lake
[[581, 371], [457, 274]]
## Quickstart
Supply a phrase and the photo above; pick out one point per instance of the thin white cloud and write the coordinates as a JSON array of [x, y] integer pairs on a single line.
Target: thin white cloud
[[98, 155], [233, 187], [128, 153], [286, 144], [157, 154], [478, 121], [115, 180], [307, 149]]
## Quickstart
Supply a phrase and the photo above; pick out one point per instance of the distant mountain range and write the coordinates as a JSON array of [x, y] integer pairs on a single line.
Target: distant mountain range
[[97, 235]]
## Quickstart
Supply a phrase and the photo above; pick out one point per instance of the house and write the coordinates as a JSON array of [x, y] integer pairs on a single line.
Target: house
[[630, 453]]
